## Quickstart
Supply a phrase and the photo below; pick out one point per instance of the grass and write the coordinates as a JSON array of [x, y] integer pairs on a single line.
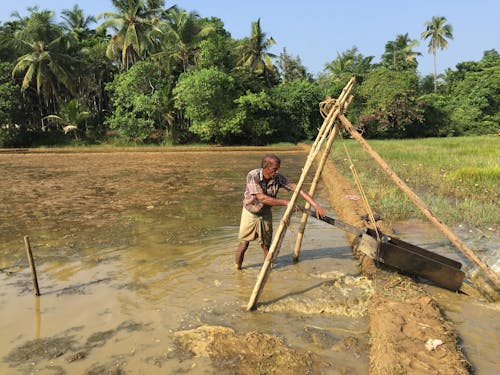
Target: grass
[[458, 178], [134, 147]]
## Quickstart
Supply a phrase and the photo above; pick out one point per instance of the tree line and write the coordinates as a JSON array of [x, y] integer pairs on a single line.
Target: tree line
[[147, 73]]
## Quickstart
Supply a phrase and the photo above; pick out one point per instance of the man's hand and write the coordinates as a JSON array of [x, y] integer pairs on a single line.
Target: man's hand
[[320, 211]]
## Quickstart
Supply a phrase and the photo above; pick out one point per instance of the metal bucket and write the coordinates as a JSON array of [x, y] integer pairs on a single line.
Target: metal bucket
[[412, 259]]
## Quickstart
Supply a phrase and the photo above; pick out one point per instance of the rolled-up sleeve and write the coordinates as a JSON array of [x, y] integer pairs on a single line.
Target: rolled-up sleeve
[[253, 185], [282, 182]]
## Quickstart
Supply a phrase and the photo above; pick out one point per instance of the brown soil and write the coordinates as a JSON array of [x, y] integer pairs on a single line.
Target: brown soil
[[403, 317], [249, 353]]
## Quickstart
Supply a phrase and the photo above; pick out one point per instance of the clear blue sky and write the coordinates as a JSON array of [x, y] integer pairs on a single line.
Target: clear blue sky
[[318, 30]]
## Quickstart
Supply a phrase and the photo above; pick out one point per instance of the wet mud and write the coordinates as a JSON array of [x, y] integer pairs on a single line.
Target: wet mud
[[250, 353], [66, 346]]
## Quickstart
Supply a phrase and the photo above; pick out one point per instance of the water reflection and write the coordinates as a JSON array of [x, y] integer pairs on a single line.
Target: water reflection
[[38, 317]]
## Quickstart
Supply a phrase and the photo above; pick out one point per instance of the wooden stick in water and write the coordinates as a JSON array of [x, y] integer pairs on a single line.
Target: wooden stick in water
[[29, 253]]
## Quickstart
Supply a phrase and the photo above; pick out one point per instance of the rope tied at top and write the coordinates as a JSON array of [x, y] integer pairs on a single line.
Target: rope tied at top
[[326, 106]]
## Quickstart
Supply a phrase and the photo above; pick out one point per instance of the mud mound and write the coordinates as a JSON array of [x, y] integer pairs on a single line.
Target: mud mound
[[341, 295], [409, 335], [250, 353]]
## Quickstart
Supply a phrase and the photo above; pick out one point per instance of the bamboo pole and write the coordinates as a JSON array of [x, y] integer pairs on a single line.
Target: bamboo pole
[[314, 184], [342, 97], [278, 238], [280, 234], [29, 253], [419, 203], [312, 191]]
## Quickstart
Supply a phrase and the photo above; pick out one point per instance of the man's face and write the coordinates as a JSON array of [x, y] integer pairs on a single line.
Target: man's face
[[271, 170]]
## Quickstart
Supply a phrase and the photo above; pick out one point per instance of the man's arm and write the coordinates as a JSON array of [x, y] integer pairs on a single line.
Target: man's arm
[[270, 201], [320, 211]]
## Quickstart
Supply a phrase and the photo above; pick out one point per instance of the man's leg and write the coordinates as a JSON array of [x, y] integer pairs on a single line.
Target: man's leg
[[266, 232], [240, 253], [265, 250]]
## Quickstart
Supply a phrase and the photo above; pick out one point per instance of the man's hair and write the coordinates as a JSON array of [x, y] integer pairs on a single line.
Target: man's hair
[[267, 159]]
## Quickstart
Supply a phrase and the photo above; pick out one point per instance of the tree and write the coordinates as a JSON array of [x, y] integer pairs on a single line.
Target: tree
[[426, 84], [7, 31], [437, 120], [349, 62], [254, 117], [76, 22], [14, 121], [291, 68], [207, 96], [94, 72], [391, 108], [219, 49], [296, 111], [45, 59], [179, 37], [474, 95], [70, 117], [137, 102], [254, 55], [437, 31], [132, 24], [339, 71], [399, 54]]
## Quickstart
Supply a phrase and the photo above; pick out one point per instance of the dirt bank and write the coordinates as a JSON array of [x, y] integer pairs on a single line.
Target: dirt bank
[[408, 332]]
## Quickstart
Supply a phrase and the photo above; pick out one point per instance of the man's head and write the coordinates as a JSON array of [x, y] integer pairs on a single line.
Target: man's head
[[270, 166]]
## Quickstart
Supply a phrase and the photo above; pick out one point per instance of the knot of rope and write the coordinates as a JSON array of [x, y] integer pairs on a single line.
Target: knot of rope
[[326, 106]]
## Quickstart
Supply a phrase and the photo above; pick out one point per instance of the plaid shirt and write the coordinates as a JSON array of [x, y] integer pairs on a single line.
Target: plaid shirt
[[256, 184]]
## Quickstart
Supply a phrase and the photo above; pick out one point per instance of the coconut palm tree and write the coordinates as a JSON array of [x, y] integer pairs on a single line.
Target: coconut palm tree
[[351, 62], [254, 56], [44, 61], [70, 117], [399, 53], [76, 22], [132, 24], [178, 38], [437, 31]]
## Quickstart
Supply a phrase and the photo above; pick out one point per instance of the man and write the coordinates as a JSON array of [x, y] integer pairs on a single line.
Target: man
[[260, 195]]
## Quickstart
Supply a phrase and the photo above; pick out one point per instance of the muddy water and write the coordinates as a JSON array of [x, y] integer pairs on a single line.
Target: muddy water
[[476, 322], [133, 247]]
